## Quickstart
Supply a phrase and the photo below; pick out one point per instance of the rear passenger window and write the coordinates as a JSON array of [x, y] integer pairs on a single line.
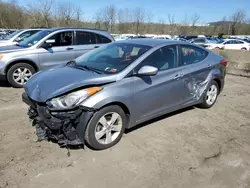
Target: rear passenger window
[[191, 55], [83, 37], [238, 42], [101, 39]]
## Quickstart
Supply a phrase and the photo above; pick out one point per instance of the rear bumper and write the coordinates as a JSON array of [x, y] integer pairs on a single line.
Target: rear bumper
[[65, 127]]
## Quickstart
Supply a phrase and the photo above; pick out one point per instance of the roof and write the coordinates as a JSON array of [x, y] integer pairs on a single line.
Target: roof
[[151, 42], [65, 28]]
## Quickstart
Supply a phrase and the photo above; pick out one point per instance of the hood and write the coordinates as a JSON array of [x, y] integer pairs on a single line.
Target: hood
[[54, 82], [12, 48]]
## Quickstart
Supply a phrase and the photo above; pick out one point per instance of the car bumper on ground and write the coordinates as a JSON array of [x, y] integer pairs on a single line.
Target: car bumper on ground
[[65, 127]]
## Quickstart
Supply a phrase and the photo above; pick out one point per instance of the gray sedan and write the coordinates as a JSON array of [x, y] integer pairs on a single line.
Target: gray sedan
[[118, 86]]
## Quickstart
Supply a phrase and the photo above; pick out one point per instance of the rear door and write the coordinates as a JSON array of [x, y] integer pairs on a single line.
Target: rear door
[[195, 68], [229, 45], [238, 45], [87, 41], [61, 52]]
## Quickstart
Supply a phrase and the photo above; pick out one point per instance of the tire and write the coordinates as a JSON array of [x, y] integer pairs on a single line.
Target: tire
[[94, 128], [205, 101], [243, 49], [14, 70]]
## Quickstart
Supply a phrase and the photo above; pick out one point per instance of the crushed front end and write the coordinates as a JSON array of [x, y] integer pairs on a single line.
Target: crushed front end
[[65, 127]]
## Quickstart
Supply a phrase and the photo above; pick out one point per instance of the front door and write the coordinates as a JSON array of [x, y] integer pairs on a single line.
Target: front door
[[61, 52], [161, 93]]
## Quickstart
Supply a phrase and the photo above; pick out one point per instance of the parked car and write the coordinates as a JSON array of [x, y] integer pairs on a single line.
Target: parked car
[[204, 42], [17, 36], [120, 37], [45, 49], [189, 37], [180, 39], [231, 44], [102, 93], [2, 35]]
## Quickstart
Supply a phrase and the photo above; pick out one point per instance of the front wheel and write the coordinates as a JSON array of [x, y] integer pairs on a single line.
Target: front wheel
[[210, 95], [19, 74], [106, 128]]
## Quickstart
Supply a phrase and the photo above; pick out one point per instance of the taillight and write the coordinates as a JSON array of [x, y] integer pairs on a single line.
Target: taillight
[[223, 62]]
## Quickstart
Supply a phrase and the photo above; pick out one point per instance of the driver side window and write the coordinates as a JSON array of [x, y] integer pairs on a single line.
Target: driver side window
[[62, 39], [164, 58]]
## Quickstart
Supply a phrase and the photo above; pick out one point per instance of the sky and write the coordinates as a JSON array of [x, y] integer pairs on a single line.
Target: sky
[[209, 10]]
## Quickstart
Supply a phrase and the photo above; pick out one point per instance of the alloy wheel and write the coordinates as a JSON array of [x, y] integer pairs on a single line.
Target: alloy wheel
[[108, 128], [211, 96], [21, 75]]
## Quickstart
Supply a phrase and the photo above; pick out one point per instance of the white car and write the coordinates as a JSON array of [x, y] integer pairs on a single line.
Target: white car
[[17, 36], [231, 44], [120, 37]]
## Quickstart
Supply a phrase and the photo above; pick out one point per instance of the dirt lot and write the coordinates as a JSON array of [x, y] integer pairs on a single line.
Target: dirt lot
[[190, 148]]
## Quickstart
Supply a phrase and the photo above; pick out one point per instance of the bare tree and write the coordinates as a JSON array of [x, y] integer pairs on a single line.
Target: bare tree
[[172, 24], [184, 26], [98, 19], [194, 20], [65, 14], [79, 13], [149, 18], [41, 12], [111, 16], [237, 19], [106, 17], [138, 19], [162, 26]]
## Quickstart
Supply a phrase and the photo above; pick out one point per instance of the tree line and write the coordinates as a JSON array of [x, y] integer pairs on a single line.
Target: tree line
[[51, 13]]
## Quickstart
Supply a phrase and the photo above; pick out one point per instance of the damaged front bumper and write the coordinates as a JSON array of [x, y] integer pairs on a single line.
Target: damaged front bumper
[[65, 127]]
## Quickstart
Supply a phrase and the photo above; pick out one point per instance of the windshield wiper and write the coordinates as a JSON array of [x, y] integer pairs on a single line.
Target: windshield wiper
[[86, 67]]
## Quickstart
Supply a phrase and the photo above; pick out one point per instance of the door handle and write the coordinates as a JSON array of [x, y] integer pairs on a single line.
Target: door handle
[[96, 46], [209, 65], [178, 76], [69, 48]]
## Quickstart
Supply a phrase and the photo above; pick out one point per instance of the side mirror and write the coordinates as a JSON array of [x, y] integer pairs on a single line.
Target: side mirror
[[18, 39], [48, 43], [148, 71]]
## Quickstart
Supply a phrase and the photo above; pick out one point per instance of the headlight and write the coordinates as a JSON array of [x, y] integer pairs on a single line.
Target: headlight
[[73, 99]]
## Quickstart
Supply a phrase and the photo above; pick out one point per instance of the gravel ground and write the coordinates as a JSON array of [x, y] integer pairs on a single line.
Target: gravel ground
[[190, 148]]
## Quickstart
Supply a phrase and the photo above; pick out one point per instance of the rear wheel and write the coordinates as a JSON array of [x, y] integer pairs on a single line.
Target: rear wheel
[[106, 128], [210, 95], [243, 49], [19, 74]]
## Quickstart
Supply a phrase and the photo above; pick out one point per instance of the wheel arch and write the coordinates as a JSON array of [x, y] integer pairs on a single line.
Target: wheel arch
[[219, 83], [29, 62], [123, 107]]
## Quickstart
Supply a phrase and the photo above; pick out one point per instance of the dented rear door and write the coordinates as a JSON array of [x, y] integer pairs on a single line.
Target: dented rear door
[[196, 66]]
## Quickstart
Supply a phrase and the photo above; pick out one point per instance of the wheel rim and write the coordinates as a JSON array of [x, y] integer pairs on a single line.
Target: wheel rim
[[108, 128], [211, 94], [21, 75]]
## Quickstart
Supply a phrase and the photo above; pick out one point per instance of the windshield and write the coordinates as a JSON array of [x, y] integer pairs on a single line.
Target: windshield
[[32, 40], [7, 37], [112, 58]]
